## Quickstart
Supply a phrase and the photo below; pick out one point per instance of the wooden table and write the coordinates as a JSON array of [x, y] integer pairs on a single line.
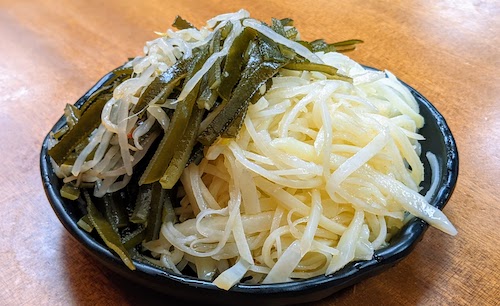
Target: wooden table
[[52, 51]]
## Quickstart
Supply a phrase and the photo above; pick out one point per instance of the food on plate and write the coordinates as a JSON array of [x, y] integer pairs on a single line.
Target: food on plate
[[238, 152]]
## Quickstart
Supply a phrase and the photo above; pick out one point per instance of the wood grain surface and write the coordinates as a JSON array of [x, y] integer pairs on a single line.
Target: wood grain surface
[[52, 51]]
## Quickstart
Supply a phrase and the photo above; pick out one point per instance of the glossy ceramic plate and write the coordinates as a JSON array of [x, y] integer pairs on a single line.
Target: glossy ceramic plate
[[439, 141]]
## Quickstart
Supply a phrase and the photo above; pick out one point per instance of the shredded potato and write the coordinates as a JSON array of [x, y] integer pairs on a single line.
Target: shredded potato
[[318, 176]]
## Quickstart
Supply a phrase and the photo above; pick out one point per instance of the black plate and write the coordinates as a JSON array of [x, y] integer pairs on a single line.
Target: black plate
[[439, 141]]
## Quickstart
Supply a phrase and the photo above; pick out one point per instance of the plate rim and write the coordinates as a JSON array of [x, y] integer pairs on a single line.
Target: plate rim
[[352, 273]]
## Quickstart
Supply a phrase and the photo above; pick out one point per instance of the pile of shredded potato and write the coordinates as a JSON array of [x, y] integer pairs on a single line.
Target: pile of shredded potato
[[322, 172], [318, 176]]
